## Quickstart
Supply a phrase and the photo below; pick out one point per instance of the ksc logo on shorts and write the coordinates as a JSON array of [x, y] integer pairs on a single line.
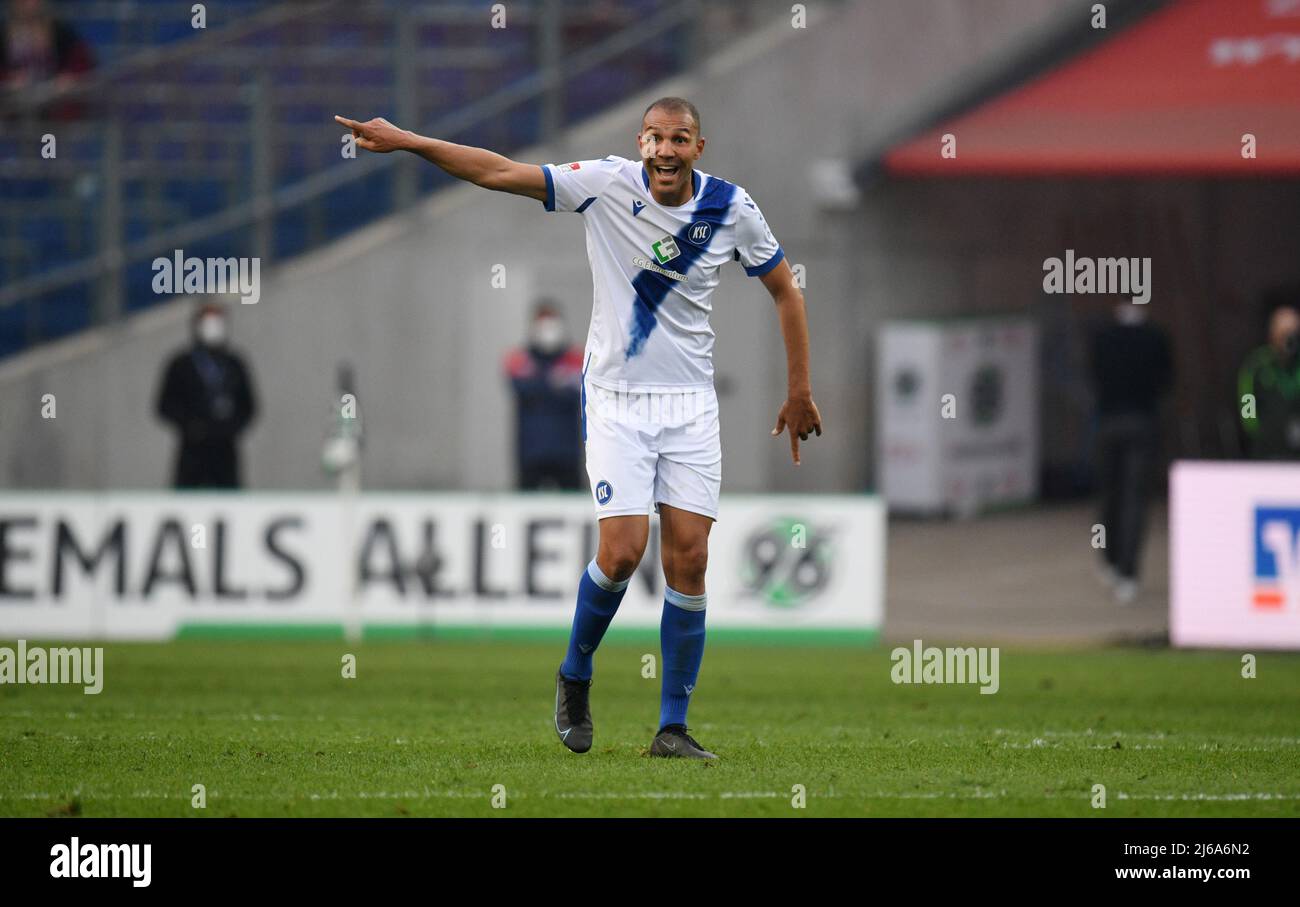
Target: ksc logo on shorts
[[604, 491], [1277, 557]]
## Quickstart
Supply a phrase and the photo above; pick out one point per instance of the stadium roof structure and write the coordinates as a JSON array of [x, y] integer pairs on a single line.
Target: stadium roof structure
[[1173, 94]]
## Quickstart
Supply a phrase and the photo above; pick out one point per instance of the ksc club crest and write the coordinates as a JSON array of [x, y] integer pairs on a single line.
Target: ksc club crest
[[700, 232]]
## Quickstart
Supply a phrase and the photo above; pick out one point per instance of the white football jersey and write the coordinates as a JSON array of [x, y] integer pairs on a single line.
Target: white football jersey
[[653, 268]]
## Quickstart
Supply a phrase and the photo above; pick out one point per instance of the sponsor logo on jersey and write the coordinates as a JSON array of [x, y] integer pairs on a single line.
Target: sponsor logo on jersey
[[604, 492], [665, 250], [700, 232], [651, 266], [565, 168]]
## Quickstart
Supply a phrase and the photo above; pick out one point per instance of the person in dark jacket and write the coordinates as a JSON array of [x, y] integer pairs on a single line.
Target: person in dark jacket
[[546, 377], [1268, 390], [207, 395], [1131, 370]]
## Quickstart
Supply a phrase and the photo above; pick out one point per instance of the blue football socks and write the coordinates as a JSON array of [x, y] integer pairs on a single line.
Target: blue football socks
[[681, 638], [598, 599]]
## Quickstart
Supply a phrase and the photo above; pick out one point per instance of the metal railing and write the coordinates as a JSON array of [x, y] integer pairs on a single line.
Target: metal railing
[[242, 119], [121, 29]]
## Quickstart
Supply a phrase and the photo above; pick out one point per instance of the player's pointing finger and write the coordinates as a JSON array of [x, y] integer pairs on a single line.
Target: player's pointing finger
[[794, 447], [351, 124]]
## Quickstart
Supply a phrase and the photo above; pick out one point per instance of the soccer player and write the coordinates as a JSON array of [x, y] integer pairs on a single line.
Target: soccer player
[[658, 233]]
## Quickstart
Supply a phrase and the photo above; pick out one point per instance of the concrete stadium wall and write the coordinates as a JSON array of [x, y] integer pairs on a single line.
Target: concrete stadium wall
[[411, 304]]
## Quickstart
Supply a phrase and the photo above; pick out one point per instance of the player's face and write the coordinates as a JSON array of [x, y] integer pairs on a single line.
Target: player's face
[[670, 146]]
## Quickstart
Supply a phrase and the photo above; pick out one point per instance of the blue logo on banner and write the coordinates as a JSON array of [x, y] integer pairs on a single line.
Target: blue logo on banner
[[1277, 554]]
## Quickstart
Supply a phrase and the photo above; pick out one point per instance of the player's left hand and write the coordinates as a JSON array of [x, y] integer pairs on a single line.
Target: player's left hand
[[800, 416], [377, 135]]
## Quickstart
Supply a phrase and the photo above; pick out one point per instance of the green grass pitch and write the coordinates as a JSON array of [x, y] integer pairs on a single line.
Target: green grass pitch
[[271, 728]]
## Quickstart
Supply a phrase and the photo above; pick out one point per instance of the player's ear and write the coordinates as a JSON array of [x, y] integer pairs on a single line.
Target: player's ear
[[699, 147]]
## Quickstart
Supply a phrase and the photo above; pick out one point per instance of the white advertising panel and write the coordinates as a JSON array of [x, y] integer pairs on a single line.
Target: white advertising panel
[[1234, 536], [152, 566], [957, 413]]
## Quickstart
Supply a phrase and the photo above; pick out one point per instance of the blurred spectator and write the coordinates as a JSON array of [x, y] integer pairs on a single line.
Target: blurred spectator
[[37, 47], [207, 394], [546, 376], [1131, 370], [341, 454], [1271, 374]]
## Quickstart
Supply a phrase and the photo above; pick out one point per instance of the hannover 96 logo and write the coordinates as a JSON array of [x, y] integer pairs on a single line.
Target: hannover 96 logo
[[786, 563]]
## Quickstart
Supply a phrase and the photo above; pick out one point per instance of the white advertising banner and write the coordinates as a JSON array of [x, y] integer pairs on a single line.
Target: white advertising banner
[[957, 413], [1234, 536], [134, 566]]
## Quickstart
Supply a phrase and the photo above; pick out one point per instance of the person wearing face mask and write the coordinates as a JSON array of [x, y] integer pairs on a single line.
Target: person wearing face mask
[[546, 376], [207, 396], [1270, 380], [1132, 368]]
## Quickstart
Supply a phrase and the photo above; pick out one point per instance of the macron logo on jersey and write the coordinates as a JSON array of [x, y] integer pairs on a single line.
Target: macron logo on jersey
[[636, 208]]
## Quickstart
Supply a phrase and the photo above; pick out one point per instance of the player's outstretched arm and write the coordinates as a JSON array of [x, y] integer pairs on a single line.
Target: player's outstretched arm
[[474, 165], [799, 413]]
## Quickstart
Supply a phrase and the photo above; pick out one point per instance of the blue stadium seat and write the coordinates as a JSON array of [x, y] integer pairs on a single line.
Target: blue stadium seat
[[65, 312], [202, 178]]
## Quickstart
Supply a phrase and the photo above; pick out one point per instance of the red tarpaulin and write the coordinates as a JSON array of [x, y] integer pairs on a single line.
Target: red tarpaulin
[[1171, 95]]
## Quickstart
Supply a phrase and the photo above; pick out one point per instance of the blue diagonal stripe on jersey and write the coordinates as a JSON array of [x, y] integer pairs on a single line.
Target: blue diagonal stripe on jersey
[[651, 288]]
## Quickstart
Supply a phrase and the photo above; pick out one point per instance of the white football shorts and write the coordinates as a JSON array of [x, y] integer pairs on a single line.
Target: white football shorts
[[647, 449]]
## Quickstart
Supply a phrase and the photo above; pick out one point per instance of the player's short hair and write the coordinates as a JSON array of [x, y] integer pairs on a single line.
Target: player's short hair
[[676, 105]]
